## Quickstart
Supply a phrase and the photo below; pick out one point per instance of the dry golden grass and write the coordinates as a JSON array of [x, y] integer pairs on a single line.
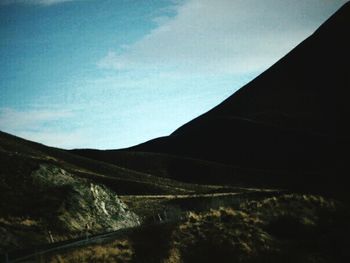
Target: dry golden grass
[[117, 251], [220, 234], [269, 230], [284, 228]]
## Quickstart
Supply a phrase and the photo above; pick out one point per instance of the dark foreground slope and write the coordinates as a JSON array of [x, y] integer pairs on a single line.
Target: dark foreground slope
[[291, 120], [283, 228]]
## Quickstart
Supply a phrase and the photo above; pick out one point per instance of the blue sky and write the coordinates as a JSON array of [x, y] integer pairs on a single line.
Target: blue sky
[[114, 73]]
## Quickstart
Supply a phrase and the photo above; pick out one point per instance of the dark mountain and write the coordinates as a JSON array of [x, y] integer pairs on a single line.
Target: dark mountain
[[306, 90], [291, 114], [292, 119]]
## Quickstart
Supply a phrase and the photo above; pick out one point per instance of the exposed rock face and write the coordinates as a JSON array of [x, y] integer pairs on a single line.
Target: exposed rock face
[[86, 205], [43, 200]]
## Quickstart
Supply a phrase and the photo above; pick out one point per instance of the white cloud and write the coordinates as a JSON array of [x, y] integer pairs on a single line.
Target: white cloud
[[39, 126], [11, 119], [223, 36], [63, 139], [34, 2]]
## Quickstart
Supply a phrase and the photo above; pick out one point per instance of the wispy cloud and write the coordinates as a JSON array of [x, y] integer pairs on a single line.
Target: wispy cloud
[[35, 2], [223, 36], [11, 119], [40, 125], [61, 139]]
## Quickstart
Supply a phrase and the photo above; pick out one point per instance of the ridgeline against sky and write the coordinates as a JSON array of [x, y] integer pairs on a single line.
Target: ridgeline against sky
[[111, 74]]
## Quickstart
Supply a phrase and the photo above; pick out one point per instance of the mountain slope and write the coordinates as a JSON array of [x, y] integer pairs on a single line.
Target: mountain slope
[[46, 190], [291, 118], [307, 89]]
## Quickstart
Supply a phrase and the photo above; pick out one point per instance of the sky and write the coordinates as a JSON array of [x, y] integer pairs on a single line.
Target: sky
[[110, 74]]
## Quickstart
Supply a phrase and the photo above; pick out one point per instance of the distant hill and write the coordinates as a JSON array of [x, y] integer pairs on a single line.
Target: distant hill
[[291, 120]]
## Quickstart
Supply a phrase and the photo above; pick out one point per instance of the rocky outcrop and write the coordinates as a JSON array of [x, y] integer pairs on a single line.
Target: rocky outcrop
[[86, 206]]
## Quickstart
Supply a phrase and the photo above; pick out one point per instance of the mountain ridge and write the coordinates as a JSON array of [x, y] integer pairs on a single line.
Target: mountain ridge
[[290, 118]]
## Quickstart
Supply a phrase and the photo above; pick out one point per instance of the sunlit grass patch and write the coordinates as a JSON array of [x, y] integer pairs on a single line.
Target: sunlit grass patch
[[117, 251]]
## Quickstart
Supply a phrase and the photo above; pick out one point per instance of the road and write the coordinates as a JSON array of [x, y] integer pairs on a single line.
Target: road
[[35, 254]]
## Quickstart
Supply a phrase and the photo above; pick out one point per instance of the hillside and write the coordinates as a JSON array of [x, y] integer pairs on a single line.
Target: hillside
[[288, 117], [282, 228], [44, 189]]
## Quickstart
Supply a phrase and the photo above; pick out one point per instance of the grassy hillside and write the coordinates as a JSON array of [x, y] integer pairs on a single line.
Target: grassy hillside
[[120, 179], [44, 190], [282, 228]]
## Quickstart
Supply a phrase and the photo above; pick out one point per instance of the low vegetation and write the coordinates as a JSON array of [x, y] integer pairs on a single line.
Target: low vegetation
[[280, 228], [114, 252]]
